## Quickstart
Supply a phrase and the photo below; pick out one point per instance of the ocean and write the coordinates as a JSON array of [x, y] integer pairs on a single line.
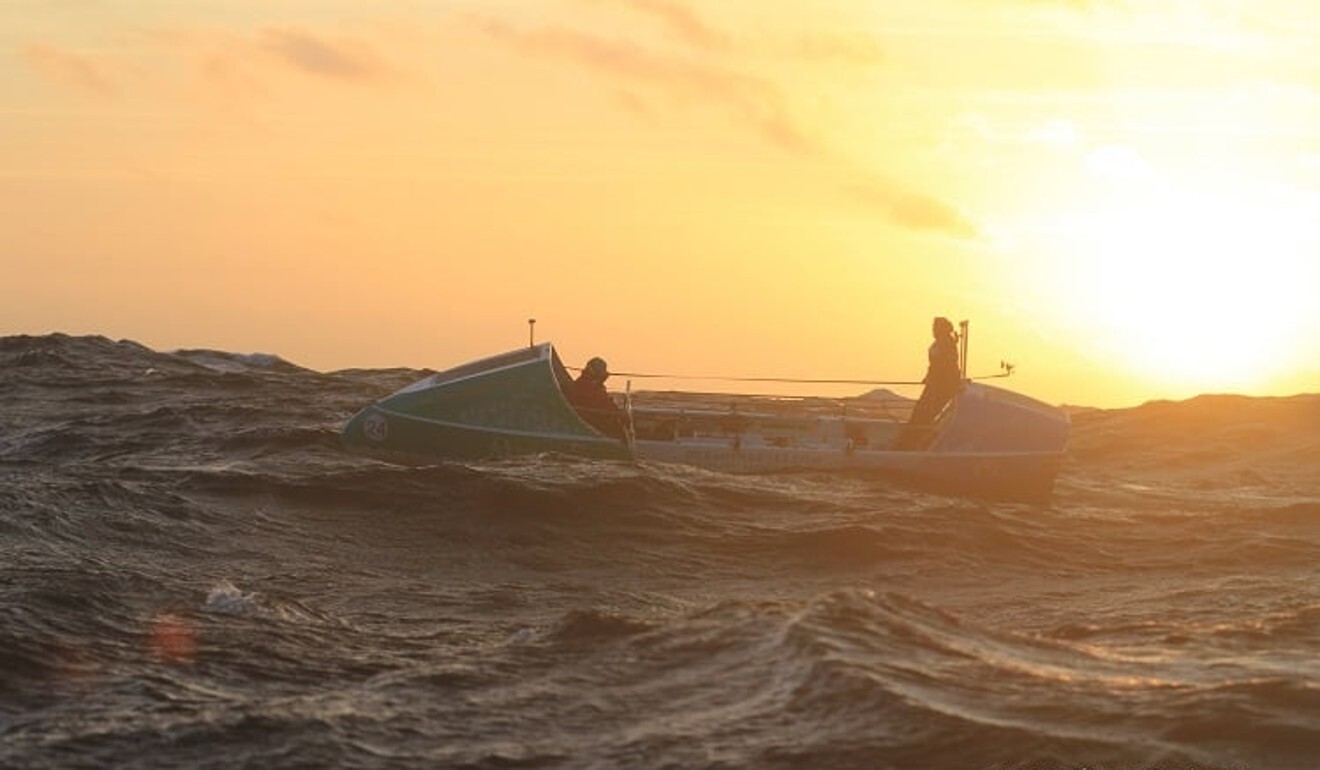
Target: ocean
[[196, 575]]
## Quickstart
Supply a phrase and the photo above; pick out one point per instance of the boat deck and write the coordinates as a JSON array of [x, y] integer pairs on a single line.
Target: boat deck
[[769, 421]]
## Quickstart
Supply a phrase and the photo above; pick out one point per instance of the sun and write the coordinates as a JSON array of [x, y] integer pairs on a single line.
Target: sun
[[1194, 288]]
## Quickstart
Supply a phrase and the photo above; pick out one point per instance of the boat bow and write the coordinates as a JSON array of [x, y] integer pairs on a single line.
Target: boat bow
[[501, 406]]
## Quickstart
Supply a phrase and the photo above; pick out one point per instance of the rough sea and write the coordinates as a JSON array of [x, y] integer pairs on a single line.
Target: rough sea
[[194, 574]]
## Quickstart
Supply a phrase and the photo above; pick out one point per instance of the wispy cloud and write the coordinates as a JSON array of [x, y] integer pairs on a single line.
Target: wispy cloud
[[316, 55], [683, 21], [914, 211], [67, 69], [755, 103], [751, 100]]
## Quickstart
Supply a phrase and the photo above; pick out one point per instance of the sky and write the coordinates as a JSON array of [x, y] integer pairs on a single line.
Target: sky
[[1122, 197]]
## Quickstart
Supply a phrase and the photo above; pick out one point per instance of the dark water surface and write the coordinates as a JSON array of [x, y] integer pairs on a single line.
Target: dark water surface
[[195, 575]]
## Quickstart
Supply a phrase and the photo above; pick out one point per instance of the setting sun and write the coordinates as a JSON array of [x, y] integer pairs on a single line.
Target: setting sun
[[1195, 287]]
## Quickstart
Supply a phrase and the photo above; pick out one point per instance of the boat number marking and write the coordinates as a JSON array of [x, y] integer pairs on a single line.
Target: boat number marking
[[375, 427]]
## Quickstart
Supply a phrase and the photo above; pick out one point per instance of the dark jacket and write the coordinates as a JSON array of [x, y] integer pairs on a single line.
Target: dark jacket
[[943, 381], [593, 404], [943, 375]]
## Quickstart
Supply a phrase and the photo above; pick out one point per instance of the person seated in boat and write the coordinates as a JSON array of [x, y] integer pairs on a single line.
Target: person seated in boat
[[943, 381], [593, 403]]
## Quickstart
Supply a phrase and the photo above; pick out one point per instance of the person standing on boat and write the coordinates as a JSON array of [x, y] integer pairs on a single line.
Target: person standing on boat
[[943, 381], [587, 394]]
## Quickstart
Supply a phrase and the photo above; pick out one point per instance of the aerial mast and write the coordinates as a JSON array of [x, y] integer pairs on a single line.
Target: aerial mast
[[962, 347]]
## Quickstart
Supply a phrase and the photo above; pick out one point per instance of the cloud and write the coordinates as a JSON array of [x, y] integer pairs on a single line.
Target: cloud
[[753, 101], [66, 69], [915, 211], [683, 21], [626, 60], [686, 24], [318, 56]]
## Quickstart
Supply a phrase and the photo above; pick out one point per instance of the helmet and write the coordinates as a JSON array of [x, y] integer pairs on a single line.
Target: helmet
[[597, 369]]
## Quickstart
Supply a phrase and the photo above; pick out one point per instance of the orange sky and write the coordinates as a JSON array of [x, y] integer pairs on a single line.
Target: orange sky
[[1123, 197]]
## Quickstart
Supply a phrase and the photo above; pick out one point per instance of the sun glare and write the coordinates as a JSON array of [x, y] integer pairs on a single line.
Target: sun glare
[[1195, 289]]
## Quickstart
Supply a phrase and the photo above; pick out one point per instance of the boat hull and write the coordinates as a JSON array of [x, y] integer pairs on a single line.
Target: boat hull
[[404, 438], [990, 442]]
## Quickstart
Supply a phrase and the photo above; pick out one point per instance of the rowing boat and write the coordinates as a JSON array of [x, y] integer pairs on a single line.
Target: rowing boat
[[989, 441]]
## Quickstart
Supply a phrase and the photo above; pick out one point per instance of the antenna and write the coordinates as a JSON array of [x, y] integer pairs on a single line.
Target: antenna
[[962, 345], [531, 332]]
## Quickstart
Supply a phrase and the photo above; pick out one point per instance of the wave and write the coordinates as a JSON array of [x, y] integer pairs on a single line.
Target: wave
[[850, 676], [192, 560], [1211, 443]]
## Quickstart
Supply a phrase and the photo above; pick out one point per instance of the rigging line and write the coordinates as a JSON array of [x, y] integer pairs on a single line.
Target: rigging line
[[787, 380]]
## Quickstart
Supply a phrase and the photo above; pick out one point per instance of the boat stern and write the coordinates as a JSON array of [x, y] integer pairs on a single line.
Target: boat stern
[[990, 419]]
